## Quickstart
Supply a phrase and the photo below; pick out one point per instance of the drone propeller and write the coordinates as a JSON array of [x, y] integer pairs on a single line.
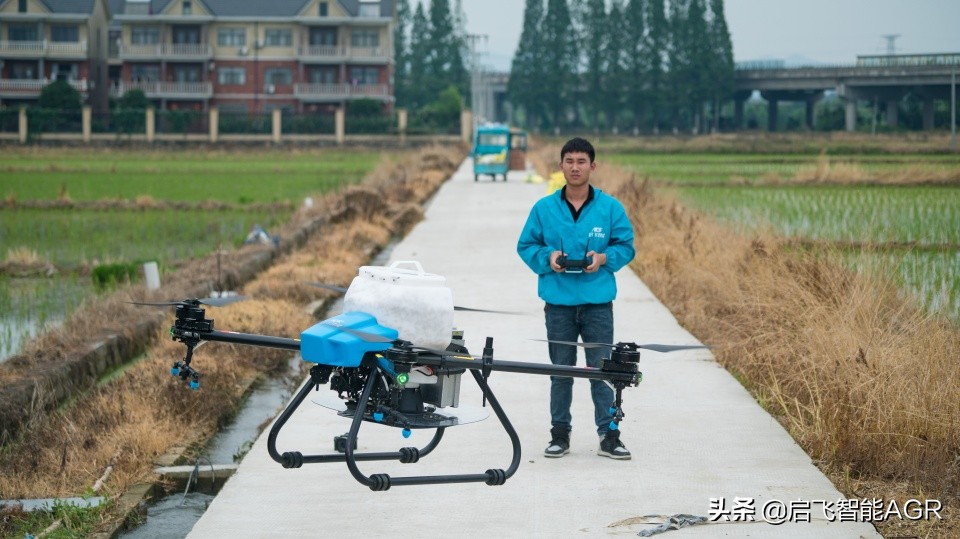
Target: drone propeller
[[213, 302], [655, 347], [342, 290]]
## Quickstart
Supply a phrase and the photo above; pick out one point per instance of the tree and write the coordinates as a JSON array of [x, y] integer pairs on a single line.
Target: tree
[[698, 42], [635, 45], [721, 62], [418, 94], [445, 64], [60, 95], [594, 39], [657, 43], [526, 71], [559, 60], [678, 57], [615, 79], [401, 54]]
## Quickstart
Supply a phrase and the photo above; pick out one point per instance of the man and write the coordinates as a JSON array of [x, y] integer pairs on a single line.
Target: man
[[580, 222]]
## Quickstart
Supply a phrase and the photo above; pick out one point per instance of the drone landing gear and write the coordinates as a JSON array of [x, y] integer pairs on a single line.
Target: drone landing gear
[[406, 455]]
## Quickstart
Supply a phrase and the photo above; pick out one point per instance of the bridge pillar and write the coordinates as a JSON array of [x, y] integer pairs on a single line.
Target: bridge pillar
[[928, 114], [739, 99], [850, 110], [771, 115], [811, 109], [892, 105]]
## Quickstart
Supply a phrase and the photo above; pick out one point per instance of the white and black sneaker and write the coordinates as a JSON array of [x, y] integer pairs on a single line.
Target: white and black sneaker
[[559, 443], [611, 446]]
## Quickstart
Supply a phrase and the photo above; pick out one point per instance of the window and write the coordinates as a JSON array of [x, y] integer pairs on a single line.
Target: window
[[364, 75], [22, 6], [324, 9], [323, 35], [365, 37], [144, 35], [187, 7], [323, 75], [65, 34], [278, 75], [231, 37], [23, 32], [278, 37], [65, 71], [370, 9], [23, 70], [232, 75], [145, 73], [186, 74]]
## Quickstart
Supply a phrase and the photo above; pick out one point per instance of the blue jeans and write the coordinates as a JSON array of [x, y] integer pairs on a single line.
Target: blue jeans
[[566, 323]]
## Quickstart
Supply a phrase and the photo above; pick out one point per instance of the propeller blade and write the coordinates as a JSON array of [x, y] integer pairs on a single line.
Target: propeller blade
[[468, 309], [213, 302], [335, 288], [580, 344], [220, 302], [343, 290], [669, 347], [654, 347]]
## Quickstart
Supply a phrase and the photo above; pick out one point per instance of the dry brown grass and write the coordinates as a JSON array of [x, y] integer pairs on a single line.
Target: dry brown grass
[[144, 412], [862, 379]]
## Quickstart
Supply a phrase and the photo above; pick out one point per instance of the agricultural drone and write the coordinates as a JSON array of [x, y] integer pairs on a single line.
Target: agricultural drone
[[384, 366]]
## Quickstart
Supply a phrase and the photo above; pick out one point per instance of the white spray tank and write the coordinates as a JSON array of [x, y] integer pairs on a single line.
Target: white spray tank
[[415, 303]]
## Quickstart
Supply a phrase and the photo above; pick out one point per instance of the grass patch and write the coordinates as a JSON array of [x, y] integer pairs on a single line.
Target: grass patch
[[188, 175]]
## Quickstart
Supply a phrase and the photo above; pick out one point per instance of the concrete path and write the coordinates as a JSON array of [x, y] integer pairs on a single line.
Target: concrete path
[[696, 435]]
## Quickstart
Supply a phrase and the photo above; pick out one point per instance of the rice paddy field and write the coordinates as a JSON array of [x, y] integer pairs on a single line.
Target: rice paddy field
[[65, 211], [895, 214]]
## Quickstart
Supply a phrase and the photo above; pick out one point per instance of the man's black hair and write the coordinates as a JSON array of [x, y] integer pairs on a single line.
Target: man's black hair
[[578, 145]]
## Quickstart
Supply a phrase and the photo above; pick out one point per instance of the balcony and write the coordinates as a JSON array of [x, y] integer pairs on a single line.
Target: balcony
[[333, 53], [320, 53], [336, 92], [166, 51], [166, 90], [38, 49], [32, 87]]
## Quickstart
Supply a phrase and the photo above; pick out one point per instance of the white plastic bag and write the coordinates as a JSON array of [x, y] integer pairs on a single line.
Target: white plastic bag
[[415, 303]]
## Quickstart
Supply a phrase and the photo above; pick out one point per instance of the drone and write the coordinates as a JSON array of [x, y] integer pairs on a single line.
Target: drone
[[378, 375]]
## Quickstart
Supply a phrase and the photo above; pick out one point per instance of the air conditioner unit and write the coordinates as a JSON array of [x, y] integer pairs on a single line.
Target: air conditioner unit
[[243, 51], [259, 43], [269, 88]]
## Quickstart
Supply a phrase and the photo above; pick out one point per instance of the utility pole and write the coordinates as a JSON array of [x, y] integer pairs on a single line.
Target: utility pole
[[891, 43], [476, 102], [953, 108]]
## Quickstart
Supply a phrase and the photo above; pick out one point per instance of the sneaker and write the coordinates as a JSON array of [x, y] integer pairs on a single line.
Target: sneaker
[[559, 444], [611, 446]]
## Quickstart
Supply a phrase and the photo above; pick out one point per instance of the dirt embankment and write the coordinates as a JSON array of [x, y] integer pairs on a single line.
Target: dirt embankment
[[56, 450]]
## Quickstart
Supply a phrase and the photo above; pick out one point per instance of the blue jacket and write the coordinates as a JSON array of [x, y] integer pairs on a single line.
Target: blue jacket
[[602, 227]]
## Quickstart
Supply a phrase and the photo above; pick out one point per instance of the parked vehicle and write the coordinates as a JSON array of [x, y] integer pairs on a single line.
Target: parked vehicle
[[498, 149]]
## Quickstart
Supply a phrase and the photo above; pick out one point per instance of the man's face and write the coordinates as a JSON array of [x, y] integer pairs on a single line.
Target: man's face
[[576, 168]]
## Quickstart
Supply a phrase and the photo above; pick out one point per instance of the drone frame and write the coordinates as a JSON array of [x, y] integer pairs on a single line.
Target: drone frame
[[192, 327]]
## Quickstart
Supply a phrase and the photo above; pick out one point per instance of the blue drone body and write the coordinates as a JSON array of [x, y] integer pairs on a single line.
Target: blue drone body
[[326, 343]]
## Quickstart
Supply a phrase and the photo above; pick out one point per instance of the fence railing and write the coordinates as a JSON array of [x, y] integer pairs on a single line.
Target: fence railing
[[166, 50], [149, 125], [44, 47]]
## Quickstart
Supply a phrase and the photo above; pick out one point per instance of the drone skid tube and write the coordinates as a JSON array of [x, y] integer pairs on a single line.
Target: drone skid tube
[[295, 459], [378, 482]]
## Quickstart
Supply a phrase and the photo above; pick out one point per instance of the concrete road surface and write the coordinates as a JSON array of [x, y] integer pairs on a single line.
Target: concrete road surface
[[701, 445]]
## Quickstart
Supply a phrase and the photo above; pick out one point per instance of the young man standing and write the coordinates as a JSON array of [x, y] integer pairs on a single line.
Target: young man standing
[[579, 222]]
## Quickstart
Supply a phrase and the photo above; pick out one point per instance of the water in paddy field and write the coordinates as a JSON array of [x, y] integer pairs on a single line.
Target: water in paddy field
[[30, 305]]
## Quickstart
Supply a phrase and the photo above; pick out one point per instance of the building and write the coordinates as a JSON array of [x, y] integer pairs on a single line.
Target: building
[[241, 56], [45, 40]]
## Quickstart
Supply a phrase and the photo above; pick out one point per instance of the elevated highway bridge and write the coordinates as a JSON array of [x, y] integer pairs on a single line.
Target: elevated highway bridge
[[886, 78]]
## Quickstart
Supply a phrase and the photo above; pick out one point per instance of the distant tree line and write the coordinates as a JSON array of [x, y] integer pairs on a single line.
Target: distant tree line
[[430, 74], [649, 65]]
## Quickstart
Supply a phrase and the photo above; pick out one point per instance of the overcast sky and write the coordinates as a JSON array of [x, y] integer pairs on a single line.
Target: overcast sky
[[830, 31]]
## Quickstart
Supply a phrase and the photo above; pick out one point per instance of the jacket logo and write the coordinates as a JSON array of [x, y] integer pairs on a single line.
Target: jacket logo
[[597, 232]]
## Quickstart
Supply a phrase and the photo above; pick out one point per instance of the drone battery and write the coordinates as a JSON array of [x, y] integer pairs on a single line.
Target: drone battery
[[444, 393], [326, 343], [415, 303]]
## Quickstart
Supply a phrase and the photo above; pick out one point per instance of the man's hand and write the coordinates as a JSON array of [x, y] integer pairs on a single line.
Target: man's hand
[[597, 260], [553, 261]]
